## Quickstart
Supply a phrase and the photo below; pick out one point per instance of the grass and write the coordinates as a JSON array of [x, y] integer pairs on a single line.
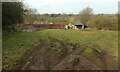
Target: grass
[[88, 50], [54, 47], [15, 45]]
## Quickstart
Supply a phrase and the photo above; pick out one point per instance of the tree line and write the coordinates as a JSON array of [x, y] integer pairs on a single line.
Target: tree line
[[104, 22]]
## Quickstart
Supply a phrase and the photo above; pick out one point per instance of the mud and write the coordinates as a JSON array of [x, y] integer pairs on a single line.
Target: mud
[[58, 55]]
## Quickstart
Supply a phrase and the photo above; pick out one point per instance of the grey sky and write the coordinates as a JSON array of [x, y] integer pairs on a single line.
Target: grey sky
[[73, 6]]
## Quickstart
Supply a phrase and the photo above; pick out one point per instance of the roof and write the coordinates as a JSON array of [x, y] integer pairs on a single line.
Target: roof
[[69, 23], [77, 23]]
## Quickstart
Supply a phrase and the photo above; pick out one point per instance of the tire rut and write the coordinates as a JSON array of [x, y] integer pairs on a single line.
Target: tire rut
[[66, 56]]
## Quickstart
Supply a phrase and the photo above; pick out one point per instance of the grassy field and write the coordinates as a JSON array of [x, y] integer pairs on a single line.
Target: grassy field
[[15, 45]]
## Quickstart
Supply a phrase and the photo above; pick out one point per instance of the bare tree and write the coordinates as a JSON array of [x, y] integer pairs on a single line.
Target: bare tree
[[84, 15], [30, 14]]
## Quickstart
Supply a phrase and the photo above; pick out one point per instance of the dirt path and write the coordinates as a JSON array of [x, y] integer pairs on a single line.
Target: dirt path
[[38, 59], [58, 55]]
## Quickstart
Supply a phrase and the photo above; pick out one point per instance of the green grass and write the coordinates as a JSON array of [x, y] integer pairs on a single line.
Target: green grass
[[15, 45], [88, 50], [54, 47]]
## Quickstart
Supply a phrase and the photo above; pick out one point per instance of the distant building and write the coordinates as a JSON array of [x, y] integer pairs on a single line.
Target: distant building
[[76, 25], [41, 23], [79, 25], [70, 26], [51, 23]]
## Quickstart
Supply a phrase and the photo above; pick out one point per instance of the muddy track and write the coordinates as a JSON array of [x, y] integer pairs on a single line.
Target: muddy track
[[38, 59], [58, 55]]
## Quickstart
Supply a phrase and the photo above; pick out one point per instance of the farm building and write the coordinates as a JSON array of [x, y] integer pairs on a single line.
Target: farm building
[[76, 25], [79, 25], [70, 26]]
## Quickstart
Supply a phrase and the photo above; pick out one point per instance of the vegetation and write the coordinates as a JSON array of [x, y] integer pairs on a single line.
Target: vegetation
[[47, 18], [14, 46], [84, 15], [30, 15], [12, 13], [104, 22]]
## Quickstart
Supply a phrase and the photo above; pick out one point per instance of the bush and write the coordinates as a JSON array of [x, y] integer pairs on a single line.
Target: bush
[[106, 22]]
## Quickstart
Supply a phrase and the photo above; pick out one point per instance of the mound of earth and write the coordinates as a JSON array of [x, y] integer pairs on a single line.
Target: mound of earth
[[57, 55]]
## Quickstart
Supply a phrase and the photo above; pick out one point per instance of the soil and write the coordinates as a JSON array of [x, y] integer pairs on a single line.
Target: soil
[[58, 55]]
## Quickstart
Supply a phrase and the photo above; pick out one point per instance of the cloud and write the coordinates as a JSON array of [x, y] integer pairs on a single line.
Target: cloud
[[73, 6], [51, 2]]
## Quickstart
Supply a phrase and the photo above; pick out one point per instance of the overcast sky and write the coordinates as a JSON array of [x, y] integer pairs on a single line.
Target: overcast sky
[[73, 6]]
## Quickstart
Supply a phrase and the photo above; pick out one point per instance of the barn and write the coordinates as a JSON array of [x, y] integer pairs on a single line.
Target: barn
[[76, 25], [70, 26], [79, 25]]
